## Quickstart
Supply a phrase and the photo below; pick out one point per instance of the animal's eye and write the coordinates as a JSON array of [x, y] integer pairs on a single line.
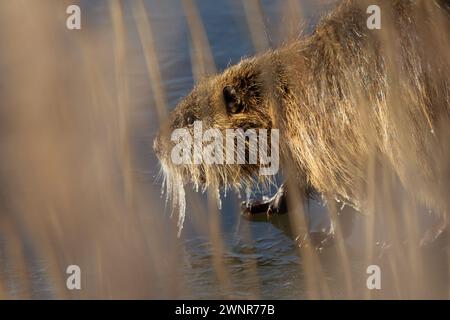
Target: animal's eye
[[232, 102], [190, 119]]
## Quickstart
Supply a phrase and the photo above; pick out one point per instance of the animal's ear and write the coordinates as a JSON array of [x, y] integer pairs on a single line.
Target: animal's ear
[[232, 101]]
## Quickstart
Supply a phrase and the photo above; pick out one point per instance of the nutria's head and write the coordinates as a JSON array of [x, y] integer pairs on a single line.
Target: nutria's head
[[235, 99]]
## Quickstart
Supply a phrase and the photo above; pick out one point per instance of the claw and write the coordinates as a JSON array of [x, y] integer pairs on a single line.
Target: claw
[[266, 208]]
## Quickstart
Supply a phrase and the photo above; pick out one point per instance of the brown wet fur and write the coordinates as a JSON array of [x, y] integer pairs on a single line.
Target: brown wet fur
[[344, 98]]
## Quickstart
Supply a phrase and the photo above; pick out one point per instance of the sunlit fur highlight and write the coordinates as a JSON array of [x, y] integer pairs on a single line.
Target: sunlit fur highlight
[[340, 97]]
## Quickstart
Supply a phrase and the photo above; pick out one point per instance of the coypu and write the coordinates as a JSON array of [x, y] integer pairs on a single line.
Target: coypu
[[347, 101]]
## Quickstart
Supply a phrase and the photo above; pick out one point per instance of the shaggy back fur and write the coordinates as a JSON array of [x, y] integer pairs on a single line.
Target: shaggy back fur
[[345, 99]]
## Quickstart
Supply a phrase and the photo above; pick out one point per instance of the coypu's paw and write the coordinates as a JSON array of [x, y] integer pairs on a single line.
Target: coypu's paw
[[256, 210]]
